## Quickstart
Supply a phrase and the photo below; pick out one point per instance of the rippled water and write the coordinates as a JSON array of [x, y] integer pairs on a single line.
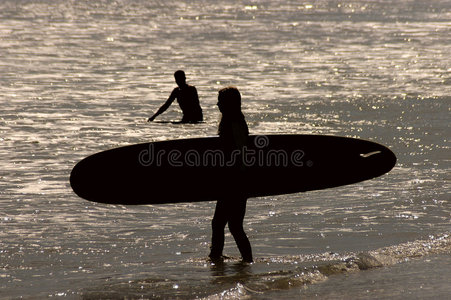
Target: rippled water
[[79, 77]]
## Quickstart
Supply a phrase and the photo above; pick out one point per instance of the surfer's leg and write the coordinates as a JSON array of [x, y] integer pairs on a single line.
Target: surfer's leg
[[185, 119], [236, 219], [218, 224]]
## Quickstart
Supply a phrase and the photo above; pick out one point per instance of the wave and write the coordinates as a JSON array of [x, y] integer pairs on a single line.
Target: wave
[[234, 280], [327, 264]]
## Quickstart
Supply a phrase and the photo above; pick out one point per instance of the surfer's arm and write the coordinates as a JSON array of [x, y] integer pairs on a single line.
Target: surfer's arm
[[240, 135], [164, 107]]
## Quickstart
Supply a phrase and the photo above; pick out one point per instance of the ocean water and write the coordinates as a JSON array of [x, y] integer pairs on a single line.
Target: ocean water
[[79, 77]]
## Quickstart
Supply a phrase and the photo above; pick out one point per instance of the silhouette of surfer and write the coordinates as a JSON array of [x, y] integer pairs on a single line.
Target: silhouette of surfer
[[231, 207], [187, 99]]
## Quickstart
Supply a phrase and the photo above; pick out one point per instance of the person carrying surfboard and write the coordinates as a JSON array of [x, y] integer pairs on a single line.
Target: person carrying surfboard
[[187, 99], [231, 207]]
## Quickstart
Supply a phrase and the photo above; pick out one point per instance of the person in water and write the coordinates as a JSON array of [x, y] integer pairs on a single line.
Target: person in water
[[231, 207], [187, 99]]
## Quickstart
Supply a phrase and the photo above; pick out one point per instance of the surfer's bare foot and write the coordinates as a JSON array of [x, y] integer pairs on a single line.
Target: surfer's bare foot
[[216, 259], [248, 261]]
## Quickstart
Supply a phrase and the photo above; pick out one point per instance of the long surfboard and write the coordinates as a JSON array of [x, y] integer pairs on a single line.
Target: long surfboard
[[199, 169]]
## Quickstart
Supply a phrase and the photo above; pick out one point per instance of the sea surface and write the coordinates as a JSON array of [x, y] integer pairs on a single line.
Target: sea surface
[[78, 77]]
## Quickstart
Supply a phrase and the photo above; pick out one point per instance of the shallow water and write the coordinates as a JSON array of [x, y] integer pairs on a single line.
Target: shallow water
[[79, 77]]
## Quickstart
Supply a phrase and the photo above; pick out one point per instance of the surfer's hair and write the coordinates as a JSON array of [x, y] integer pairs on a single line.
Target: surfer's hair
[[179, 74], [231, 98]]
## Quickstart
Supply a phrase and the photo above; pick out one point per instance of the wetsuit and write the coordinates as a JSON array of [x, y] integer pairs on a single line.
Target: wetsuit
[[231, 207]]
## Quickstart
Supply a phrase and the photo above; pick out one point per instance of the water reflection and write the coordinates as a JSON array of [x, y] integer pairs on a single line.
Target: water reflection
[[226, 273], [79, 77]]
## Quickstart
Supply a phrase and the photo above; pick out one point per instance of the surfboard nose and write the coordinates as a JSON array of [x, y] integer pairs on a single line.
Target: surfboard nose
[[379, 158]]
